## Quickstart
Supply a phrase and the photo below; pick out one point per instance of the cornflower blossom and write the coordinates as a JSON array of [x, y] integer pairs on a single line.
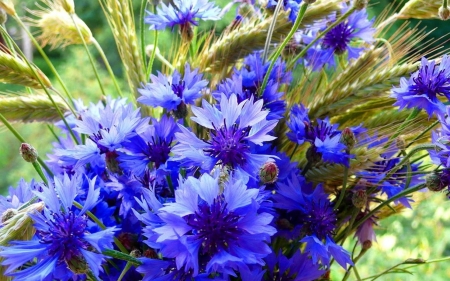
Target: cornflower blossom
[[338, 40], [64, 245], [107, 128], [314, 219], [299, 267], [246, 83], [292, 5], [231, 129], [185, 13], [173, 93], [325, 138], [423, 88], [151, 146], [17, 196], [210, 228]]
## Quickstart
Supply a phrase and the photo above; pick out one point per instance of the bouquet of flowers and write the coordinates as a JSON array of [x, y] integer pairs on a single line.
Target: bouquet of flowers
[[252, 154]]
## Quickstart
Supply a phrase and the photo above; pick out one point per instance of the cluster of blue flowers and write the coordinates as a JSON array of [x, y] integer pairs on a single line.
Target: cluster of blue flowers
[[204, 191]]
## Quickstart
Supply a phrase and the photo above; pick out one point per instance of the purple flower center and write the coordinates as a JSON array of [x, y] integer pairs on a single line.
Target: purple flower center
[[178, 89], [338, 38], [158, 151], [430, 82], [228, 145], [320, 131], [65, 235], [215, 226]]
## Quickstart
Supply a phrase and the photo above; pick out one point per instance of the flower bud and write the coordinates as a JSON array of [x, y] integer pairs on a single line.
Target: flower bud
[[433, 182], [3, 16], [28, 153], [366, 245], [268, 173], [414, 261], [181, 111], [360, 4], [444, 13], [359, 198], [348, 138]]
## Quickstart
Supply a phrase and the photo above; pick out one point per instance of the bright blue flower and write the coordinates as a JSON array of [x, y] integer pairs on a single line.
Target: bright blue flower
[[299, 267], [150, 146], [208, 230], [313, 213], [17, 196], [172, 92], [424, 86], [184, 13], [232, 129], [63, 246], [338, 40], [325, 138], [292, 5]]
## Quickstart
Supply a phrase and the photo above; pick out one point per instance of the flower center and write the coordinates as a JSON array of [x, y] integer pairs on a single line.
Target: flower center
[[338, 38], [65, 235], [229, 145], [178, 88], [214, 225], [430, 82], [158, 151]]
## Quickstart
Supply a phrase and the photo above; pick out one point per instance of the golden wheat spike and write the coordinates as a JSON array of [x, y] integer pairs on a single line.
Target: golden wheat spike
[[29, 108]]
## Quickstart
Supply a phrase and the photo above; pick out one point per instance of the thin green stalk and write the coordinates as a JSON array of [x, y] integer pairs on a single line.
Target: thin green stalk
[[102, 226], [124, 271], [153, 55], [121, 256], [91, 60], [108, 66], [344, 185], [21, 139], [356, 273], [270, 31], [45, 57], [141, 26], [347, 274], [43, 87], [350, 224], [291, 33], [330, 27], [293, 151]]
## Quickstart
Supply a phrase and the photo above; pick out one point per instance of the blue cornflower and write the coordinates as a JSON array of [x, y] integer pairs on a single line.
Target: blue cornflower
[[292, 5], [211, 228], [299, 267], [173, 92], [325, 138], [150, 146], [313, 214], [184, 13], [338, 40], [17, 196], [424, 86], [63, 246], [107, 128], [232, 129]]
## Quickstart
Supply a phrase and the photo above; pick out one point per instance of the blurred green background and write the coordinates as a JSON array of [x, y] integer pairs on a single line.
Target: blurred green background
[[423, 232]]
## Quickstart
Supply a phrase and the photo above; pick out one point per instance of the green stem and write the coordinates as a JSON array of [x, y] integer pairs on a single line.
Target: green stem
[[270, 31], [347, 274], [91, 60], [141, 26], [350, 224], [444, 3], [108, 66], [45, 57], [124, 271], [294, 28], [102, 226], [295, 148], [330, 27], [344, 186], [21, 139], [356, 273], [153, 55], [121, 256]]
